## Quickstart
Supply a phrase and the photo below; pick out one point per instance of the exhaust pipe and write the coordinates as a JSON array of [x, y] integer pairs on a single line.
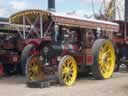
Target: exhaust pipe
[[51, 5], [126, 10]]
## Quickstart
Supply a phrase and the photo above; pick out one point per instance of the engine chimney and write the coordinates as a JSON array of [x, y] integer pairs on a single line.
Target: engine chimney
[[126, 10], [51, 5]]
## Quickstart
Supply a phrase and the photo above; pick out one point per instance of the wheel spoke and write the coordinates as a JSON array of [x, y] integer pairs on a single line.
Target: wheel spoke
[[66, 63], [109, 59], [100, 61], [101, 51], [70, 75], [69, 78], [30, 74], [102, 70], [108, 51], [65, 70], [69, 65], [109, 67], [100, 55], [64, 66], [65, 78]]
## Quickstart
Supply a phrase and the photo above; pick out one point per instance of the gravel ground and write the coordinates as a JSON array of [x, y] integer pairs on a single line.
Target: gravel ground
[[85, 86]]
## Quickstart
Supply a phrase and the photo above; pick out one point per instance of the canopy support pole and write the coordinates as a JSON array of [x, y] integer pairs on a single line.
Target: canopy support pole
[[125, 34], [41, 27], [24, 28]]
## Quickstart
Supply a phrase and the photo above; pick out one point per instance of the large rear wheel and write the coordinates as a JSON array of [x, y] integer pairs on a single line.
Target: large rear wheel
[[67, 70], [34, 70], [104, 59]]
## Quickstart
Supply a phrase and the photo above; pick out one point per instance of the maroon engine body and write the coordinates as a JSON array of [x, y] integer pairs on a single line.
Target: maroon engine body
[[10, 50], [9, 57], [1, 69], [120, 41]]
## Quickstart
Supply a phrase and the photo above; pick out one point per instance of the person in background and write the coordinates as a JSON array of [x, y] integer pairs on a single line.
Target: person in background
[[56, 32]]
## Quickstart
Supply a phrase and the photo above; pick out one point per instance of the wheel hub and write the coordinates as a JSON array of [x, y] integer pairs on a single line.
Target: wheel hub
[[105, 59]]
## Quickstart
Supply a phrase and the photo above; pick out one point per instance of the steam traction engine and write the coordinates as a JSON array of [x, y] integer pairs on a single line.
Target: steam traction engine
[[9, 51], [120, 40], [65, 46]]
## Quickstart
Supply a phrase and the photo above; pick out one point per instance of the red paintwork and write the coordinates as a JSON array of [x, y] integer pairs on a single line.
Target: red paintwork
[[80, 59], [75, 47], [1, 69], [54, 61], [88, 51], [84, 59], [37, 41], [20, 46], [118, 40], [34, 52], [89, 59], [123, 27], [8, 45], [71, 47], [9, 58], [89, 56]]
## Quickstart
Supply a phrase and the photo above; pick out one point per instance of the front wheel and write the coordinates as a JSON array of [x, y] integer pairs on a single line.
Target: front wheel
[[67, 70], [104, 59], [34, 69]]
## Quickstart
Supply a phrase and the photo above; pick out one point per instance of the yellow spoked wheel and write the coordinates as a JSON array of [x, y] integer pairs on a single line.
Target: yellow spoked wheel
[[67, 70], [34, 71], [104, 59]]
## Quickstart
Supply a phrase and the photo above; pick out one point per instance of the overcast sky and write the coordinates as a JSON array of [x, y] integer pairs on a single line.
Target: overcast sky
[[9, 7]]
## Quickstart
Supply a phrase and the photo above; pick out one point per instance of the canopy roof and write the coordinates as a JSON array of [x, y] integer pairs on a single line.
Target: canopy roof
[[67, 20], [6, 28], [2, 19]]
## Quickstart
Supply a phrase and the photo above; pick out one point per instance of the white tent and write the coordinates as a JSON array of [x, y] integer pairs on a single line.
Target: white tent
[[120, 9]]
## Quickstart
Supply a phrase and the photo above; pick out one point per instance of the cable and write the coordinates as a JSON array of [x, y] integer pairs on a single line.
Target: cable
[[103, 4], [93, 10]]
